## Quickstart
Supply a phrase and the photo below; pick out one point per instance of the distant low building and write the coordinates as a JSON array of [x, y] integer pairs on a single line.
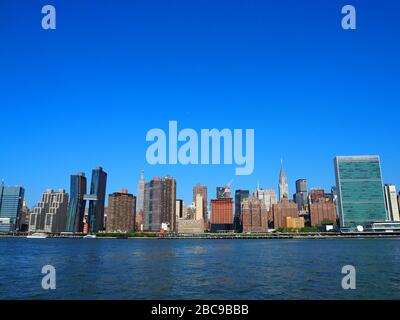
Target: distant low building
[[322, 211], [191, 226], [392, 205], [294, 223]]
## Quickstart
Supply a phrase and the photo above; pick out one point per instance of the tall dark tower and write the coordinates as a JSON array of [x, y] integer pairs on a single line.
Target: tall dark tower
[[77, 203], [97, 199]]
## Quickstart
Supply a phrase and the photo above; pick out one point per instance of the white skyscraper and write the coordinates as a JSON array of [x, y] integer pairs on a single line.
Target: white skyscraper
[[140, 199], [283, 185], [199, 207], [268, 197], [392, 205]]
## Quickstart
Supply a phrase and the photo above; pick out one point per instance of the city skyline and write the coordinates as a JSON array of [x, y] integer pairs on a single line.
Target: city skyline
[[105, 77], [188, 199]]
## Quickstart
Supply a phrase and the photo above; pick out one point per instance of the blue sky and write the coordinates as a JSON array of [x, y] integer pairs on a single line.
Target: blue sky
[[87, 93]]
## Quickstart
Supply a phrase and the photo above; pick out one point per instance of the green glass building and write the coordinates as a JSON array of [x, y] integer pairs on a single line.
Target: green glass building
[[361, 199]]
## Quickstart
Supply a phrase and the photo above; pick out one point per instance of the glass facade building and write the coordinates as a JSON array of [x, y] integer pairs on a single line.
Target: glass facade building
[[361, 198], [11, 202], [97, 200], [77, 203], [240, 195]]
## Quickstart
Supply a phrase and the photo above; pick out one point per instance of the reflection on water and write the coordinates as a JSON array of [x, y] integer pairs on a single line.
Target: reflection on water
[[199, 269]]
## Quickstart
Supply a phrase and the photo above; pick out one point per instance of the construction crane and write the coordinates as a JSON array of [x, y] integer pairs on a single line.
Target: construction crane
[[228, 188]]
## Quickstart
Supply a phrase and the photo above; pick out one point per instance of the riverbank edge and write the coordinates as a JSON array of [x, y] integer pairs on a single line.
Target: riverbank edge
[[233, 237]]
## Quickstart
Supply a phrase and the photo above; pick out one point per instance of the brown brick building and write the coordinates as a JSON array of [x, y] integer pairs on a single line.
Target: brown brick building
[[322, 210], [121, 212], [222, 214], [254, 217], [317, 195], [283, 209]]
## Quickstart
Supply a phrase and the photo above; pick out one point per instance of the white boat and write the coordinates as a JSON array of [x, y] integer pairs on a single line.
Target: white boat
[[37, 235], [90, 236]]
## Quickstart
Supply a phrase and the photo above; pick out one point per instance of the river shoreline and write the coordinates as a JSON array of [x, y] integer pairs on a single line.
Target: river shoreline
[[286, 236]]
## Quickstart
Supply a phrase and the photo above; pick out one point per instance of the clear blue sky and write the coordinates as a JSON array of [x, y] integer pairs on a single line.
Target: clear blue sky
[[87, 93]]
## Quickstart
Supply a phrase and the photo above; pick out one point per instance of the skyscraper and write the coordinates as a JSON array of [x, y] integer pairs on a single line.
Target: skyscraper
[[140, 197], [50, 213], [240, 195], [222, 214], [11, 202], [361, 198], [392, 205], [170, 190], [283, 184], [301, 195], [199, 207], [77, 203], [202, 190], [97, 199], [254, 215], [121, 212], [159, 204], [179, 209], [140, 202], [267, 196]]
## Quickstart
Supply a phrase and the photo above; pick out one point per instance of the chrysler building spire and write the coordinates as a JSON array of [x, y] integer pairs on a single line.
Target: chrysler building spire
[[283, 185]]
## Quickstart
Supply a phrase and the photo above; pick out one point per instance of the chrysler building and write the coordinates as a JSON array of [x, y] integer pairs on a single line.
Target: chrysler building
[[283, 185]]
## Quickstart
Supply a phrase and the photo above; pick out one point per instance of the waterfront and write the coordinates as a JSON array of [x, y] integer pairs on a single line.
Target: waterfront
[[198, 269]]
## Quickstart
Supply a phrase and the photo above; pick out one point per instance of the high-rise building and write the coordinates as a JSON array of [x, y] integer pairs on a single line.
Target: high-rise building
[[160, 204], [50, 213], [97, 199], [254, 215], [361, 198], [283, 209], [283, 184], [121, 212], [140, 202], [199, 207], [240, 195], [25, 216], [267, 196], [11, 202], [140, 197], [222, 215], [77, 204], [392, 205], [179, 209], [202, 190], [322, 211], [301, 195]]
